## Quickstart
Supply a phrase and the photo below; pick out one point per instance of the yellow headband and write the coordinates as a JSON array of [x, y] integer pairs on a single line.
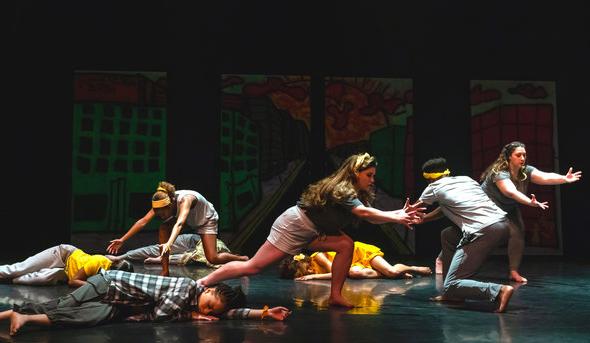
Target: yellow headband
[[434, 176], [161, 189], [161, 203]]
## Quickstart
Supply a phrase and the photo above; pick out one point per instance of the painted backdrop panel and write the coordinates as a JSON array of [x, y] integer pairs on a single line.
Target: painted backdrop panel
[[265, 125], [375, 115], [119, 147]]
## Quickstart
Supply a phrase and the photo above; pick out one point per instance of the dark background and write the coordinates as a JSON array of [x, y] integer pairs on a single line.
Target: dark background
[[440, 46]]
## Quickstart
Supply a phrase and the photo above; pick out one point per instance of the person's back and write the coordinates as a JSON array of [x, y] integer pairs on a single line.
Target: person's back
[[484, 226], [90, 263], [462, 200]]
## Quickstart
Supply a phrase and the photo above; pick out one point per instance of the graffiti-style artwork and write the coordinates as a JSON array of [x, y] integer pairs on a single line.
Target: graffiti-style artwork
[[119, 147], [525, 111], [375, 115], [265, 125]]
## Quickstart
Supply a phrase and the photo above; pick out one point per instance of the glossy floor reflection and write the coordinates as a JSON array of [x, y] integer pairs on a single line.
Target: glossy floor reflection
[[553, 307]]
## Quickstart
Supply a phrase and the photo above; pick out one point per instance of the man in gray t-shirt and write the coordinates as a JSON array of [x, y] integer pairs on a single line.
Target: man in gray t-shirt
[[484, 227]]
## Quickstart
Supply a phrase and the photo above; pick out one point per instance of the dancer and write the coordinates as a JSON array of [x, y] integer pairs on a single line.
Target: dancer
[[505, 181], [316, 222], [483, 224], [177, 209], [367, 263], [61, 263], [121, 296]]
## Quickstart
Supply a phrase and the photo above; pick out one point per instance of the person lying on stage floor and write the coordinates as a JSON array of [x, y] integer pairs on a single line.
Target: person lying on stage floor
[[367, 263], [484, 227], [61, 263], [111, 296], [186, 249]]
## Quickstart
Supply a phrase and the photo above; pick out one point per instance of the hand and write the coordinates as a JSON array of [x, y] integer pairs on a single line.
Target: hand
[[165, 248], [535, 203], [572, 177], [304, 277], [278, 313], [199, 316], [115, 245], [410, 214], [416, 207]]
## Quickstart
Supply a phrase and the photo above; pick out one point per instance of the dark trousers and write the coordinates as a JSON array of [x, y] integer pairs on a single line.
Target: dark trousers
[[82, 307]]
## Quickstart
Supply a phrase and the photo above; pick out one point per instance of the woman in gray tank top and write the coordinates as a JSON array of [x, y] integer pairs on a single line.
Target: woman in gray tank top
[[316, 222], [505, 181]]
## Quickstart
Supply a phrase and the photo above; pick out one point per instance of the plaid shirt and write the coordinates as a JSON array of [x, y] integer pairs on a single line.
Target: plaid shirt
[[162, 298], [169, 298]]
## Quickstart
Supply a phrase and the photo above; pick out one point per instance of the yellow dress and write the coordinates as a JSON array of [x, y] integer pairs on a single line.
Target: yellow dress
[[362, 256], [91, 263]]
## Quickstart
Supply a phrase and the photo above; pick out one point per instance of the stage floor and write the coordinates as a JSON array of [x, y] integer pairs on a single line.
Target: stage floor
[[554, 306]]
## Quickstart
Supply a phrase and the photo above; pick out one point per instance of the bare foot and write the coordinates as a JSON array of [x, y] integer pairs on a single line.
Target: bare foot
[[438, 266], [151, 260], [515, 276], [17, 321], [339, 301], [504, 297], [422, 270]]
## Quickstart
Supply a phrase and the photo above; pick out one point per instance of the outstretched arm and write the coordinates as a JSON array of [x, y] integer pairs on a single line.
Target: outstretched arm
[[323, 276], [275, 313], [433, 215], [116, 244], [405, 216], [509, 190], [543, 178]]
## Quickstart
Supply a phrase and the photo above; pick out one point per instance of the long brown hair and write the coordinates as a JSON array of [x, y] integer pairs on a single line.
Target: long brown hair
[[340, 184], [503, 163]]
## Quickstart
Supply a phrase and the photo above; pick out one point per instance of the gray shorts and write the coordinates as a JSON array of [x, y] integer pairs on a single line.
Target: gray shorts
[[292, 231], [209, 228]]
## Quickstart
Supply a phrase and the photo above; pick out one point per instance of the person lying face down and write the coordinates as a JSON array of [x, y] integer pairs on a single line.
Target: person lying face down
[[60, 263], [122, 296]]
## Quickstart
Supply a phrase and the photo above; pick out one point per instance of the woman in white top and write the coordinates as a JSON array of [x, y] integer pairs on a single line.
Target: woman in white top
[[178, 209]]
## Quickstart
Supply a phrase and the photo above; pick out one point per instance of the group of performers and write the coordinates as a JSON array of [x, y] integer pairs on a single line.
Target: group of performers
[[485, 216]]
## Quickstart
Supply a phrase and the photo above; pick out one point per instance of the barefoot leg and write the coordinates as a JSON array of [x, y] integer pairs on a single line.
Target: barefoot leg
[[339, 301], [504, 297], [515, 276], [17, 321], [421, 270]]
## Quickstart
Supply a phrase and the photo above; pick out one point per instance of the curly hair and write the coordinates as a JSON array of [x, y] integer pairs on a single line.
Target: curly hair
[[503, 163], [340, 184], [231, 297]]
